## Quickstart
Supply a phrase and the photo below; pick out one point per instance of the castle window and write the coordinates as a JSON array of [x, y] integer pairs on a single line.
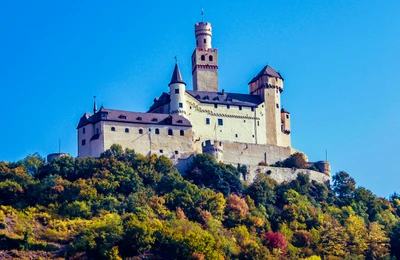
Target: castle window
[[176, 152], [179, 122], [253, 136], [122, 117], [113, 129], [220, 121], [154, 119], [197, 42], [228, 106], [287, 116], [83, 142], [182, 133], [207, 121], [157, 131], [240, 107], [205, 41], [258, 123], [244, 121], [83, 131], [203, 57], [139, 118], [210, 58], [277, 105], [180, 105], [126, 130], [215, 105], [141, 131], [170, 132], [252, 108], [97, 131], [236, 135], [177, 91], [161, 151]]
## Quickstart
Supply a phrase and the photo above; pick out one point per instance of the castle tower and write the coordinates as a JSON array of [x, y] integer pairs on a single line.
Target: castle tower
[[204, 60], [177, 89], [268, 84], [214, 148]]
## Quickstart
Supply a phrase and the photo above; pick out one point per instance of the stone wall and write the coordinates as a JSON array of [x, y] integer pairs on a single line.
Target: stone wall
[[252, 154], [284, 174]]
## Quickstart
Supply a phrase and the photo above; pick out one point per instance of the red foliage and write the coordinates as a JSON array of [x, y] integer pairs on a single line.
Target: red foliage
[[276, 240]]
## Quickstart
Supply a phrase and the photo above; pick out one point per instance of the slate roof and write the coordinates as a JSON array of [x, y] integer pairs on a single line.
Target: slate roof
[[226, 98], [162, 100], [284, 111], [176, 76], [269, 71], [133, 117]]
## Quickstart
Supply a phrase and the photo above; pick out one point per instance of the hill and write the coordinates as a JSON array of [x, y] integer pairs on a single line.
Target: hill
[[128, 206]]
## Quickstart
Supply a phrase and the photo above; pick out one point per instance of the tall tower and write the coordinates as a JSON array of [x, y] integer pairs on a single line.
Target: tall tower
[[204, 60], [268, 84], [177, 88]]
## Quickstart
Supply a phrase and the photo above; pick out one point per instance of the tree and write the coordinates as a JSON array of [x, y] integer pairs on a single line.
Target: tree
[[344, 186], [33, 162], [276, 241]]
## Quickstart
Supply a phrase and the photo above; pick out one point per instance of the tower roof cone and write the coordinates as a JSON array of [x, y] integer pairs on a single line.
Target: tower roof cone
[[176, 76]]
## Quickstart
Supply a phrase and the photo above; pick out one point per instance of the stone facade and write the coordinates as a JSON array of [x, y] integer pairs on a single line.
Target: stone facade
[[235, 128]]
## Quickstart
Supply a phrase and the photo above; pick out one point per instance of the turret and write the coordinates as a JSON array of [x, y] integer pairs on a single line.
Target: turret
[[204, 60], [177, 89], [214, 148]]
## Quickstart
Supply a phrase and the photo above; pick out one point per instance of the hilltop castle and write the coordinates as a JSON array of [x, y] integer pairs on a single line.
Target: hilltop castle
[[249, 129]]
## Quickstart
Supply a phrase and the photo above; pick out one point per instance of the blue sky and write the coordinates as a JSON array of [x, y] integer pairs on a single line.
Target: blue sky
[[340, 60]]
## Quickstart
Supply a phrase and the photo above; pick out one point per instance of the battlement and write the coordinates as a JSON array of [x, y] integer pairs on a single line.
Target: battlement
[[203, 28]]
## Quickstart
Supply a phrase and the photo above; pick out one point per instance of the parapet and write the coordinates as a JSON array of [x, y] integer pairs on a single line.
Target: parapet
[[203, 28]]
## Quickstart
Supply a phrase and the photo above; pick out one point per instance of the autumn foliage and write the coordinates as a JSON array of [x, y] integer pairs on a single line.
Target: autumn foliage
[[128, 206]]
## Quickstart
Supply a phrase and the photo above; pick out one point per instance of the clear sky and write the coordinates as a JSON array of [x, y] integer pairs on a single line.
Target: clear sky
[[340, 60]]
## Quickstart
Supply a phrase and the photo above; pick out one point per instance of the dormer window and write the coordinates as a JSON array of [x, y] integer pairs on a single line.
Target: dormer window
[[122, 117], [179, 122], [216, 98], [139, 118], [154, 120], [206, 98], [198, 97]]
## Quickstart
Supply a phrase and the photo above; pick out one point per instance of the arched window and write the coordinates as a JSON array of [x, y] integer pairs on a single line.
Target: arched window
[[126, 130], [170, 132], [182, 133], [157, 131], [140, 131], [210, 58], [113, 129], [203, 57]]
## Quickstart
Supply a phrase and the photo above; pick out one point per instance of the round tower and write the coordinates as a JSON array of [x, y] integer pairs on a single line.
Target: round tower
[[215, 149], [203, 32], [177, 89]]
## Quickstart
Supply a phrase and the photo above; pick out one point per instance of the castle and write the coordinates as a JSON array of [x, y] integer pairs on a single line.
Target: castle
[[249, 129]]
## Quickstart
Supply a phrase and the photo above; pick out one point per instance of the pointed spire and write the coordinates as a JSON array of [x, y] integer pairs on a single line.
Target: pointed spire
[[176, 75], [94, 105]]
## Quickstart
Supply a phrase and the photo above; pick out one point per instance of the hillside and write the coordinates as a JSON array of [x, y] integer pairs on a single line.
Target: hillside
[[128, 206]]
